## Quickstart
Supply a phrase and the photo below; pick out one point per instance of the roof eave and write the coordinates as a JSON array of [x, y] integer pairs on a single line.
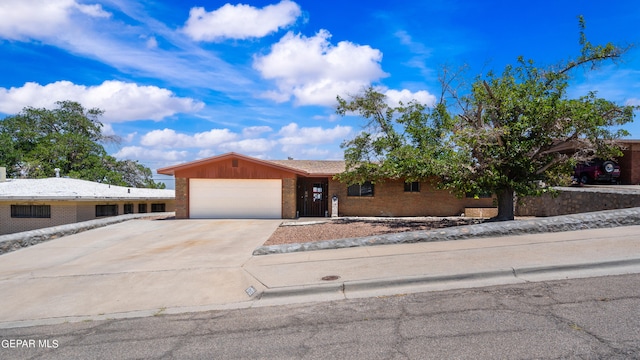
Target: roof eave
[[171, 170]]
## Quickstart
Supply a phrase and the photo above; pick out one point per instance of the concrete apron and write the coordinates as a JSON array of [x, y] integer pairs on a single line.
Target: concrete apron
[[137, 267]]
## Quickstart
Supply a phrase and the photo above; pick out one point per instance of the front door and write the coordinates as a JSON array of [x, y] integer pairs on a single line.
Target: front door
[[312, 196]]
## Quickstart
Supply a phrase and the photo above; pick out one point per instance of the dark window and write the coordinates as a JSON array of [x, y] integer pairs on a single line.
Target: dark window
[[128, 208], [412, 186], [30, 211], [106, 210], [142, 208], [234, 162], [365, 189], [157, 207]]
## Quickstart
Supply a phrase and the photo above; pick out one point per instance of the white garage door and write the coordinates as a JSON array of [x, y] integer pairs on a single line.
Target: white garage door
[[235, 199]]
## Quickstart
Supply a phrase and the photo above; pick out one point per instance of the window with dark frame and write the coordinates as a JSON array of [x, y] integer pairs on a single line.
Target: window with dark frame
[[31, 211], [142, 208], [128, 208], [158, 207], [366, 189], [412, 186], [106, 210]]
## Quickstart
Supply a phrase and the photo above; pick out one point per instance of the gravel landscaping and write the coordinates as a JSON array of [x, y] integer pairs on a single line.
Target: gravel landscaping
[[309, 231]]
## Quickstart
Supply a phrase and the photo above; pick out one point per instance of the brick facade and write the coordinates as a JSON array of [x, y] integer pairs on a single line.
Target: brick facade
[[182, 198], [630, 164], [289, 198], [390, 199]]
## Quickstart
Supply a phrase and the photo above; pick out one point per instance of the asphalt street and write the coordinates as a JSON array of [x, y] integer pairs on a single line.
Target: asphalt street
[[592, 318]]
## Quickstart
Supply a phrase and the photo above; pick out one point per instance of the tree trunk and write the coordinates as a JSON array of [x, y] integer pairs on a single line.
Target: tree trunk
[[505, 205]]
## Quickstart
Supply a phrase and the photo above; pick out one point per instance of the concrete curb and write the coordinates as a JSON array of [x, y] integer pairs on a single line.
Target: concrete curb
[[424, 280], [584, 221], [12, 242]]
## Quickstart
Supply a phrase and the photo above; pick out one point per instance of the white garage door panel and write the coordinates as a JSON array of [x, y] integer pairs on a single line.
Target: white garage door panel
[[235, 198]]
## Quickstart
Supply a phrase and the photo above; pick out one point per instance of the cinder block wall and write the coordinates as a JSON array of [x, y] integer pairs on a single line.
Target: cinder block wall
[[578, 200], [390, 199]]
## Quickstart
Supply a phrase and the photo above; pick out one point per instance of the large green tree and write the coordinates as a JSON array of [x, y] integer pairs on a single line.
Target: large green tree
[[505, 135], [69, 137]]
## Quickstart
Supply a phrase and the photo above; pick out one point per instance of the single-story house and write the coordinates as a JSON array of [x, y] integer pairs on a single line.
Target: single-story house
[[238, 186], [29, 204]]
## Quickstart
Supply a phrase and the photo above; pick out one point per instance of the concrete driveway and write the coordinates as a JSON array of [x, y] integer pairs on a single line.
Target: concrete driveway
[[140, 266]]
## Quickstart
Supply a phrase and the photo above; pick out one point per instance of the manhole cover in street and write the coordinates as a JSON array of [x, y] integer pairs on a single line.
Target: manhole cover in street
[[330, 277]]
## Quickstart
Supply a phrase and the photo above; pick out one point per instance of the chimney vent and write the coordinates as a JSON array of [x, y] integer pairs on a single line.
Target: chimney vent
[[57, 170], [3, 174]]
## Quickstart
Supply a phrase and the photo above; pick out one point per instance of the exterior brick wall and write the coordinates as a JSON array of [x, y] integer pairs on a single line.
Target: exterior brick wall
[[630, 164], [390, 199], [289, 198], [182, 198]]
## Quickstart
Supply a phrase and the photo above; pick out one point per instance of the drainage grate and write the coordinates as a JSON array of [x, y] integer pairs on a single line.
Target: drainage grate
[[330, 277]]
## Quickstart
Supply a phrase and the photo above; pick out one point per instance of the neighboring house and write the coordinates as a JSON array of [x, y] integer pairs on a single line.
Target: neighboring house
[[630, 162], [238, 186], [29, 204]]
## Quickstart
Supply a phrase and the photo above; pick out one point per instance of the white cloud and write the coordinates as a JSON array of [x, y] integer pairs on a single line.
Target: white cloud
[[129, 137], [254, 131], [126, 41], [240, 21], [314, 71], [314, 152], [35, 19], [165, 138], [92, 10], [249, 146], [213, 137], [152, 43], [205, 153], [632, 102], [292, 134], [170, 138], [394, 97], [144, 154], [121, 101]]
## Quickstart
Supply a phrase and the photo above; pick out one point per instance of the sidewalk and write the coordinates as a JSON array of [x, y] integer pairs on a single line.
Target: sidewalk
[[405, 268]]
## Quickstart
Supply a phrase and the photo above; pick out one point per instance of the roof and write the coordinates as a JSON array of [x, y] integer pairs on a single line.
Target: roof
[[300, 167], [75, 189], [314, 167]]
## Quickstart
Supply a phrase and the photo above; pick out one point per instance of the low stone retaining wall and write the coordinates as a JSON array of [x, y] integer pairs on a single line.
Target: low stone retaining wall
[[575, 200], [12, 242], [592, 220]]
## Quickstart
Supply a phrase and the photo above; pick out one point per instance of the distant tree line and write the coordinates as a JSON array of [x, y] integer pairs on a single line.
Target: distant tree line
[[35, 142]]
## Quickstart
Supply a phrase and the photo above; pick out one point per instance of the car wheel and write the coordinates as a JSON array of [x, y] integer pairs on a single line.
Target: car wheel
[[608, 167], [584, 179]]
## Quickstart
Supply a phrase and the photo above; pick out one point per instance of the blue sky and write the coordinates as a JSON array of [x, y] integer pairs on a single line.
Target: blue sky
[[181, 80]]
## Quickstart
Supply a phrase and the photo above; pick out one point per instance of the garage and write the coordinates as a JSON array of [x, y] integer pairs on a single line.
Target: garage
[[235, 198]]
